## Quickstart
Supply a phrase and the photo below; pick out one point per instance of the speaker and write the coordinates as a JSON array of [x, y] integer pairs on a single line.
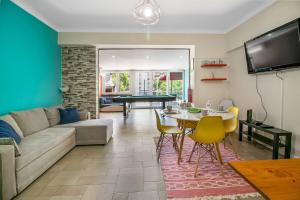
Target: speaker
[[249, 115]]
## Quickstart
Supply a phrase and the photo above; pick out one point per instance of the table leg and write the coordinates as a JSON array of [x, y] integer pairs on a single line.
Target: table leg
[[288, 144], [240, 132], [163, 104], [124, 109], [275, 147], [181, 146]]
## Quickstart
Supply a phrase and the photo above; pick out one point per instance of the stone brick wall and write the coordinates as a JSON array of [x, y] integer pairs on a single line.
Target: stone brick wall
[[79, 73]]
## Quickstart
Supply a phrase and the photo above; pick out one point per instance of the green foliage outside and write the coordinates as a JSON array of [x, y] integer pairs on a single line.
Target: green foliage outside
[[114, 78], [124, 82], [160, 87], [176, 87]]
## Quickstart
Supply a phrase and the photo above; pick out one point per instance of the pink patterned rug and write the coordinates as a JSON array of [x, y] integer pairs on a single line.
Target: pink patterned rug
[[210, 184]]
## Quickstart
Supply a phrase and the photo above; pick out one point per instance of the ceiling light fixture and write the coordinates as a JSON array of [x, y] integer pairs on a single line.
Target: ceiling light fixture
[[147, 12]]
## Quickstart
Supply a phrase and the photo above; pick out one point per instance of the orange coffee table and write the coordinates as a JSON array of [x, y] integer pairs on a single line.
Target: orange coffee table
[[273, 179]]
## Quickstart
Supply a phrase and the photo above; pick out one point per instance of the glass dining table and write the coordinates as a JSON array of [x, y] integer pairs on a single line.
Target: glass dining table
[[187, 120]]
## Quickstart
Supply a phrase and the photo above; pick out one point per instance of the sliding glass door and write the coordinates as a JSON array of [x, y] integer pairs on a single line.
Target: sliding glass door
[[160, 83], [144, 83], [176, 84]]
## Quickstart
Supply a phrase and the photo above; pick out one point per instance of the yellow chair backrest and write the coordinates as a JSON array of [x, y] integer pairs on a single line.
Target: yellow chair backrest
[[209, 130], [158, 122], [231, 124]]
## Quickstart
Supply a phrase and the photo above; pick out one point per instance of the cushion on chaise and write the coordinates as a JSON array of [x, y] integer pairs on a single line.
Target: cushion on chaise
[[94, 131]]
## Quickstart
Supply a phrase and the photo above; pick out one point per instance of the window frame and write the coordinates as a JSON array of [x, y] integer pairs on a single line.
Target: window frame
[[117, 86]]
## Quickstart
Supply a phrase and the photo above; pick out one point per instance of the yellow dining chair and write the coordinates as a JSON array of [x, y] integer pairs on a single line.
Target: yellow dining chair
[[165, 130], [207, 135], [230, 126]]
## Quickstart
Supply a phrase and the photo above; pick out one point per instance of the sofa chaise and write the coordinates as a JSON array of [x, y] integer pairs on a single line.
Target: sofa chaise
[[44, 141]]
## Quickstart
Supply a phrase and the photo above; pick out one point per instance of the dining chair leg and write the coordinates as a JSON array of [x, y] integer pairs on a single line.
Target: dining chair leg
[[197, 166], [180, 147], [174, 141], [161, 145], [157, 145], [211, 153], [218, 153], [177, 144], [193, 150]]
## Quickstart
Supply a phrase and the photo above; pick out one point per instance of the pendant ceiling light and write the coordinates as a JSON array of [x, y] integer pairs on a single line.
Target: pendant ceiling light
[[147, 12]]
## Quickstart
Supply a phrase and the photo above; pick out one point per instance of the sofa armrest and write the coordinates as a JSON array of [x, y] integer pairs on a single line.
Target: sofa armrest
[[84, 115], [8, 187]]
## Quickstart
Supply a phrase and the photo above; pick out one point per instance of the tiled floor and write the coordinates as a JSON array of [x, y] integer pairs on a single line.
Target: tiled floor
[[124, 169]]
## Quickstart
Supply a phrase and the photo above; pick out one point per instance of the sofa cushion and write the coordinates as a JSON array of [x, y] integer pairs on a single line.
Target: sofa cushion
[[69, 115], [53, 115], [7, 131], [9, 119], [37, 167], [84, 115], [35, 145], [106, 100], [31, 121]]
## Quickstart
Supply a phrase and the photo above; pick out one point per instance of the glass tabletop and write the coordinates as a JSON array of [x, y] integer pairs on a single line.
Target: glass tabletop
[[185, 115]]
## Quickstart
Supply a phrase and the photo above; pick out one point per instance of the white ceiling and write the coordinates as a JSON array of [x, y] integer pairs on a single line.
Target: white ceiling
[[144, 59], [183, 16]]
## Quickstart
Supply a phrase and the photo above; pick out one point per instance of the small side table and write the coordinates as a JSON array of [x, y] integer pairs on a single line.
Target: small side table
[[275, 132]]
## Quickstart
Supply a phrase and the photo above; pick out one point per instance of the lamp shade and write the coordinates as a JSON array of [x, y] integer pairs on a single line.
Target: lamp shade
[[64, 89], [147, 12]]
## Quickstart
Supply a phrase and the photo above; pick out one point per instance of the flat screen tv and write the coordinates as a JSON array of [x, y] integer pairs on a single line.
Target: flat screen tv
[[277, 49]]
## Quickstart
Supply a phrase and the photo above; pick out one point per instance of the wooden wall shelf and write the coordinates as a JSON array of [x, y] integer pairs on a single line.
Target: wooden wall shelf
[[214, 79], [214, 65]]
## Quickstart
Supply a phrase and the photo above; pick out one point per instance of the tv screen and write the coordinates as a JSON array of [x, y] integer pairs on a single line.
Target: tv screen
[[275, 50]]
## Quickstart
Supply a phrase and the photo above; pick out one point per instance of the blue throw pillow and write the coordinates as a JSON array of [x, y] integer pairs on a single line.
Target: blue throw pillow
[[68, 115], [6, 131]]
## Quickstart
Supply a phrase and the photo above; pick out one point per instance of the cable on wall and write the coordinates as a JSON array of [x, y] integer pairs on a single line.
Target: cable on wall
[[282, 95], [261, 99]]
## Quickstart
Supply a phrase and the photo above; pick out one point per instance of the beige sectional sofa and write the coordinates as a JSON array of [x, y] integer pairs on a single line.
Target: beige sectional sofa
[[43, 143]]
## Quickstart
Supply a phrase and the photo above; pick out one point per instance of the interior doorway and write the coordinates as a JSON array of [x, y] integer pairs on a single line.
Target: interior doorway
[[144, 70]]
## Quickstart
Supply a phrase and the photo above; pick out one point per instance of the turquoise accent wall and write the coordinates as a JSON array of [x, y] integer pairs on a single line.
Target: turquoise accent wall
[[30, 68]]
